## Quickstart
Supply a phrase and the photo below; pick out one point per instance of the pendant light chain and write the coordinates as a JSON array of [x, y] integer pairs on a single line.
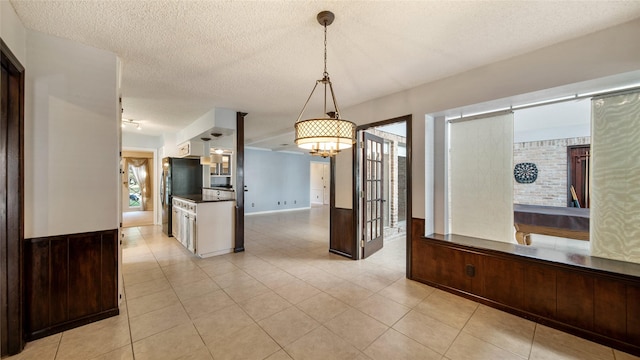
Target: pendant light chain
[[326, 74]]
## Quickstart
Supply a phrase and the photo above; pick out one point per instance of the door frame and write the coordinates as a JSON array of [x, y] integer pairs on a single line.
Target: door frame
[[157, 165], [570, 167], [11, 257], [356, 186]]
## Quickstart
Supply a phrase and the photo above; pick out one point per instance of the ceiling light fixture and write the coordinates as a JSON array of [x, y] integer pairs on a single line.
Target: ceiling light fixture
[[327, 135], [129, 122]]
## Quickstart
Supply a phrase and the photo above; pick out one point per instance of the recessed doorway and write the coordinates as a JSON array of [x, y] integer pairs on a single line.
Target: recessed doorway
[[138, 188], [320, 182], [382, 185]]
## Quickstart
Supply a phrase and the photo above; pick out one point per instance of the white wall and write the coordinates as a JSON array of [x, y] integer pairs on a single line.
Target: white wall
[[569, 119], [12, 32], [169, 146], [71, 137], [217, 117], [276, 181], [133, 140], [590, 57]]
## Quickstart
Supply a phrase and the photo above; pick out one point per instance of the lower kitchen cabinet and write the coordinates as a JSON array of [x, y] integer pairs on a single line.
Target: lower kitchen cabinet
[[206, 228]]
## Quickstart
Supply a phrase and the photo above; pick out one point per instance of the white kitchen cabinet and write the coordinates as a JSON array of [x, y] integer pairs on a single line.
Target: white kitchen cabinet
[[190, 148], [205, 228], [223, 167], [218, 194], [175, 222], [215, 224]]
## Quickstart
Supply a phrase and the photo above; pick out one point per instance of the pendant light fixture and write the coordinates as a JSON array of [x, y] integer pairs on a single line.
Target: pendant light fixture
[[325, 136]]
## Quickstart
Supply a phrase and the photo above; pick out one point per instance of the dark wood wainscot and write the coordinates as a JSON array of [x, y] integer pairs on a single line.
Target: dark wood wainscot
[[70, 280], [342, 233], [594, 298]]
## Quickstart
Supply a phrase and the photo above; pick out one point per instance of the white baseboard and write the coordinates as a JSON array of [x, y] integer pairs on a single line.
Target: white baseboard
[[275, 211]]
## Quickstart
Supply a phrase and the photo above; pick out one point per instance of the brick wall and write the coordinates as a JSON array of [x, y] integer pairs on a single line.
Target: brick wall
[[402, 188], [550, 157]]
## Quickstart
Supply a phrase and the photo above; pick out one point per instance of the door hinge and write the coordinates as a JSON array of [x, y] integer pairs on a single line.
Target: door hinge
[[361, 243], [362, 145], [362, 193]]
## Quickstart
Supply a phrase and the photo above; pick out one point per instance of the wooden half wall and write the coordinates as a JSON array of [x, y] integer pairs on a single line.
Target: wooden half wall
[[594, 298], [70, 280]]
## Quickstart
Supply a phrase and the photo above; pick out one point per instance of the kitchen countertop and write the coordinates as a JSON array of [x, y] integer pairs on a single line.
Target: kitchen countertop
[[219, 188], [198, 198]]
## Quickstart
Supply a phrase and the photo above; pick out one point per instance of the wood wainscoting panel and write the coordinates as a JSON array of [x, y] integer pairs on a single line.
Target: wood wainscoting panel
[[503, 281], [610, 310], [441, 265], [84, 285], [58, 280], [575, 299], [36, 256], [633, 315], [343, 235], [109, 270], [70, 280], [597, 299], [540, 290]]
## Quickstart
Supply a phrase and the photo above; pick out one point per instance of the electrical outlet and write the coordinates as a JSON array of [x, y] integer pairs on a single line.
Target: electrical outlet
[[470, 270], [285, 203], [278, 202], [294, 201], [253, 204]]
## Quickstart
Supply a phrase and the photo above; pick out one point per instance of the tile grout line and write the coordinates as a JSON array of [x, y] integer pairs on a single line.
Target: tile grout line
[[58, 346], [533, 339], [172, 289], [126, 300], [191, 320], [460, 331]]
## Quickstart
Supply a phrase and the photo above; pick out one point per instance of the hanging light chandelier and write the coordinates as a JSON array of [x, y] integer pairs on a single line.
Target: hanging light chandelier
[[325, 136]]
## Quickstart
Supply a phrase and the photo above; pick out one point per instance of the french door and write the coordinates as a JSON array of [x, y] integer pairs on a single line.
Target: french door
[[372, 186]]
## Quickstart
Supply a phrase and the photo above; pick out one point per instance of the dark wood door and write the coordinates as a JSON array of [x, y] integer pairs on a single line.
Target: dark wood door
[[11, 201], [578, 174], [372, 221]]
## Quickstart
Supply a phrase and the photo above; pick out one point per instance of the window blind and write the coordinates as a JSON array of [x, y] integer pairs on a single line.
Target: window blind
[[480, 177]]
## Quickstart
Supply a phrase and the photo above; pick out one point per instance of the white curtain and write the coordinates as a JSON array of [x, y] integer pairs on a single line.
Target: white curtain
[[615, 177], [140, 169], [481, 177]]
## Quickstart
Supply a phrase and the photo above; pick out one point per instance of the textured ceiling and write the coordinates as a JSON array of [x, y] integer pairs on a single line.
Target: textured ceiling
[[182, 58]]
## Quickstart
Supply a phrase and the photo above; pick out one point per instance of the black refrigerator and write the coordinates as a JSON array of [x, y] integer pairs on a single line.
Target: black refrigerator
[[180, 176]]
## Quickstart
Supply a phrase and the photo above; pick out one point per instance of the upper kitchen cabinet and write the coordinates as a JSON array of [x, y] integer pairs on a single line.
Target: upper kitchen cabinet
[[190, 149], [221, 166], [215, 130]]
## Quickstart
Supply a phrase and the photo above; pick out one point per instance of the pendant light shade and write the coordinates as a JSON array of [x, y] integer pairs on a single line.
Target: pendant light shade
[[325, 136]]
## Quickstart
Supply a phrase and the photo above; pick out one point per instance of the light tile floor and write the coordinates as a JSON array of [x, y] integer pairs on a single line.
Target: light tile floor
[[286, 297]]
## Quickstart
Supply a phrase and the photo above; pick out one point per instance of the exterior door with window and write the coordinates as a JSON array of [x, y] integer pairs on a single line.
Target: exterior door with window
[[372, 186], [579, 160]]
